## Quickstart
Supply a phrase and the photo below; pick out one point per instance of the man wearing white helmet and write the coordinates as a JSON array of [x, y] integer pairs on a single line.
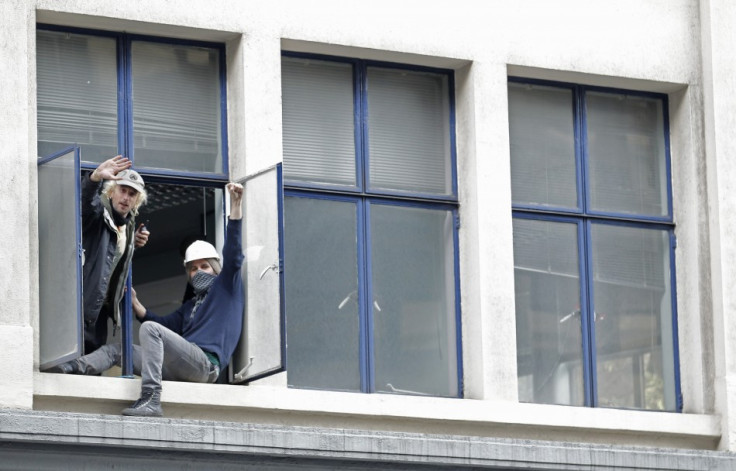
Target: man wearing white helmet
[[195, 342], [111, 197]]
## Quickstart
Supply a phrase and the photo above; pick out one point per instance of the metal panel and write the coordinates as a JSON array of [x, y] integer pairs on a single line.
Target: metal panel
[[261, 351], [60, 258]]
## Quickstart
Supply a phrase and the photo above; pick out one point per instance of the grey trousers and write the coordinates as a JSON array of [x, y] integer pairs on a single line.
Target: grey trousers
[[162, 354]]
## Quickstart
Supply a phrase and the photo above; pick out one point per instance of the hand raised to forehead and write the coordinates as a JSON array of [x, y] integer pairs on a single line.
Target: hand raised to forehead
[[109, 169]]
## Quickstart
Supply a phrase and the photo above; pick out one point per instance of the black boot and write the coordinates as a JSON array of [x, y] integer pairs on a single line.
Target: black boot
[[70, 368], [149, 405]]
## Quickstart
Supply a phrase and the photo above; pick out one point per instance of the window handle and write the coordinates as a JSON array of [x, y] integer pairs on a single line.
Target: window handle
[[273, 267], [353, 295], [239, 377]]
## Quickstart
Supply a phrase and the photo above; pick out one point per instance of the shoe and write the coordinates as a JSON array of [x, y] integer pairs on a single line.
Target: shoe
[[149, 405], [69, 368]]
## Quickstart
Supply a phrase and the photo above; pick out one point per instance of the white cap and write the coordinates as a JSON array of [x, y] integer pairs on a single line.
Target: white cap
[[200, 249]]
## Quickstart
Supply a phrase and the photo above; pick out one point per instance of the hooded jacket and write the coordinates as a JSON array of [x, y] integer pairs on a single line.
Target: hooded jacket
[[103, 282]]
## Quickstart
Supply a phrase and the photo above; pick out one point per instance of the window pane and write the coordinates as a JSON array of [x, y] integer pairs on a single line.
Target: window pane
[[542, 146], [77, 94], [176, 107], [413, 300], [318, 123], [626, 154], [548, 325], [59, 264], [321, 285], [409, 131], [633, 309]]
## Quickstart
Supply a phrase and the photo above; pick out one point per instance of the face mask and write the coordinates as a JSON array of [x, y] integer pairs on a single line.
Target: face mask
[[202, 281]]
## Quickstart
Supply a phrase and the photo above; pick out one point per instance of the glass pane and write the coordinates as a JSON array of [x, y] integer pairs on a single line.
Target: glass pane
[[321, 279], [542, 142], [548, 325], [409, 131], [318, 122], [59, 261], [77, 94], [176, 107], [263, 334], [633, 311], [413, 306], [626, 154]]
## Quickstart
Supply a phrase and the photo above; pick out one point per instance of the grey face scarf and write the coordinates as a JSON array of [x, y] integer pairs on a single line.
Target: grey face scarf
[[201, 282]]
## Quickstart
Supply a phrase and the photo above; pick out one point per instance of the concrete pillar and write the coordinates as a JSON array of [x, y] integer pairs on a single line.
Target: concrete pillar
[[719, 69], [18, 282]]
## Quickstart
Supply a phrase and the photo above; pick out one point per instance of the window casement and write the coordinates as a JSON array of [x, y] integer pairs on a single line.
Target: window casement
[[593, 246], [371, 287], [161, 102]]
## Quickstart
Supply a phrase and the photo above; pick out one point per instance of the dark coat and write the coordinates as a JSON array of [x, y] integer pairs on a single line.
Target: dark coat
[[103, 282]]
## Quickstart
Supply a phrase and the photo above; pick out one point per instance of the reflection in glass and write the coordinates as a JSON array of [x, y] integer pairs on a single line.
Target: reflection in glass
[[77, 94], [548, 323], [633, 311], [413, 300], [626, 154], [542, 146], [321, 285], [176, 107]]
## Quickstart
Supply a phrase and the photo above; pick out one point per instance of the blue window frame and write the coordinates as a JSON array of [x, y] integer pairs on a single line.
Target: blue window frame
[[160, 102], [594, 242], [371, 285]]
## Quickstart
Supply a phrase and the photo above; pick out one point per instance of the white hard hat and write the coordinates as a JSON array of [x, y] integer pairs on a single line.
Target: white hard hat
[[200, 249]]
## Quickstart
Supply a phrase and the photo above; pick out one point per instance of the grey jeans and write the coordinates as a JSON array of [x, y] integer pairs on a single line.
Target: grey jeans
[[162, 354]]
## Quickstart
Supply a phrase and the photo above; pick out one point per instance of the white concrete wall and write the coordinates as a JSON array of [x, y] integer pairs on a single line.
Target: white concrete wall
[[654, 45]]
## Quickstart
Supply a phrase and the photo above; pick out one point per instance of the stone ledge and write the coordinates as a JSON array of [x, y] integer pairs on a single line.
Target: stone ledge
[[398, 413], [208, 438]]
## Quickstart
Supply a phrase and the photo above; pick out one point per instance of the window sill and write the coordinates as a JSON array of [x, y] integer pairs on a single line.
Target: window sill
[[469, 417]]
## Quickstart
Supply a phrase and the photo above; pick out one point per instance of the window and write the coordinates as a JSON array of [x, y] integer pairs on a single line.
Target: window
[[593, 247], [370, 237], [159, 102]]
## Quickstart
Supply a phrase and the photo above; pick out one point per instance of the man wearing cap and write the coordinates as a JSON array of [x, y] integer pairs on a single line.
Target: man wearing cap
[[111, 197], [195, 342]]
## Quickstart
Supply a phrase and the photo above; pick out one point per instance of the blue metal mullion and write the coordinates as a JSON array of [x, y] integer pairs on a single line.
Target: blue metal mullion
[[223, 112], [125, 136], [587, 308], [458, 307], [360, 100], [675, 335], [453, 139], [364, 294], [587, 316]]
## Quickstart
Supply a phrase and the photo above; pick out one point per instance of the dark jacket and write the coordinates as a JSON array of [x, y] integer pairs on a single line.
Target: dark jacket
[[103, 282], [218, 322]]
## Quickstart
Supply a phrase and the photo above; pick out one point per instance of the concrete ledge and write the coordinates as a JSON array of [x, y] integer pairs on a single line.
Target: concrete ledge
[[117, 437], [382, 412]]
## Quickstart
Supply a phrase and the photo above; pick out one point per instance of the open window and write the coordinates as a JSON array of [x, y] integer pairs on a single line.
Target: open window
[[261, 351], [60, 258]]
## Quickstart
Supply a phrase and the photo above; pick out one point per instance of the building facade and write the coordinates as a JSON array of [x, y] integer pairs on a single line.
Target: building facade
[[488, 234]]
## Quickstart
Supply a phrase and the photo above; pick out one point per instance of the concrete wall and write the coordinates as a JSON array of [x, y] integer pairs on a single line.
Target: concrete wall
[[681, 47]]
